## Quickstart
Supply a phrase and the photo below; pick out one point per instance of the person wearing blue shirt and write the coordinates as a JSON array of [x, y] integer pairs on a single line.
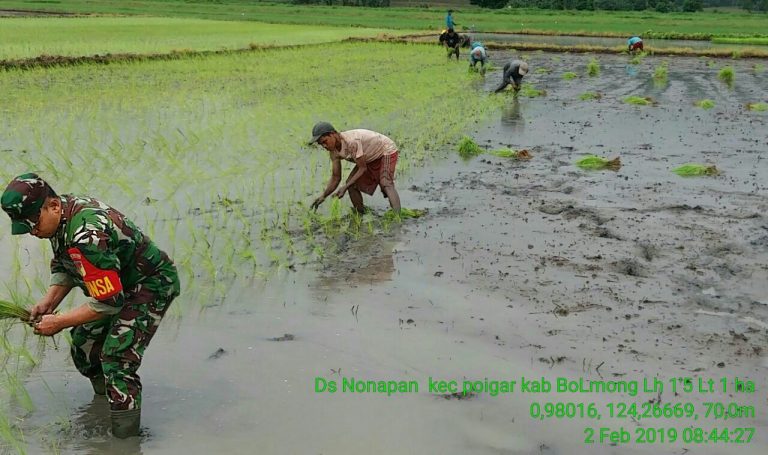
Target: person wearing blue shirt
[[449, 24], [634, 43]]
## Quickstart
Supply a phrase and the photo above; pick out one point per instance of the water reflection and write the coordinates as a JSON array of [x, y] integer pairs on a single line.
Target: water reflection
[[364, 261], [511, 116]]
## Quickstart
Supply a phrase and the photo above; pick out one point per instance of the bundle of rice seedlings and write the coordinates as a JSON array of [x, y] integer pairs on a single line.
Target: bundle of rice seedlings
[[593, 68], [531, 92], [543, 71], [10, 310], [639, 100], [509, 153], [597, 162], [693, 169], [589, 96], [759, 107], [661, 73], [726, 75], [468, 148], [705, 104], [404, 214], [568, 75]]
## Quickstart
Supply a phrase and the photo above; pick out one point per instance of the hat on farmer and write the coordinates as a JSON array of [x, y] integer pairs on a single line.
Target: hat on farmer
[[23, 198], [320, 129], [477, 44], [523, 69]]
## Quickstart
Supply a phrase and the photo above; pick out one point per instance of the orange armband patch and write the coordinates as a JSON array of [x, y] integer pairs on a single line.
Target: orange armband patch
[[101, 284]]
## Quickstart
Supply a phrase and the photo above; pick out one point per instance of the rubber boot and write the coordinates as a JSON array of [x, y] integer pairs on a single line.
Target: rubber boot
[[99, 386], [125, 423]]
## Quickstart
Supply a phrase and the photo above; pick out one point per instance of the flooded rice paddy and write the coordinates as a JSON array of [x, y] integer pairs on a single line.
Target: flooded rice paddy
[[560, 40], [535, 269]]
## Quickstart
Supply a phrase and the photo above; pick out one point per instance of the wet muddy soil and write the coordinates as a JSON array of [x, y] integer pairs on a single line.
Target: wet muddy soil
[[560, 40], [535, 269]]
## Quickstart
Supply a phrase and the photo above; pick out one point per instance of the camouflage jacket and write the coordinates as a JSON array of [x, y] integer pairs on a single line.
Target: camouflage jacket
[[99, 250]]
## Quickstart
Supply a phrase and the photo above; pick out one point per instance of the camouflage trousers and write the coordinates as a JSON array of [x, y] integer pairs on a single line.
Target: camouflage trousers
[[113, 347]]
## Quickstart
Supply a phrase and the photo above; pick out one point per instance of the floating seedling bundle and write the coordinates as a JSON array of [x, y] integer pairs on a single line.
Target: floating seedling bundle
[[639, 100], [589, 96], [759, 107], [661, 74], [568, 75], [10, 310], [726, 75], [705, 104], [594, 162], [514, 154], [468, 148], [593, 68], [694, 170]]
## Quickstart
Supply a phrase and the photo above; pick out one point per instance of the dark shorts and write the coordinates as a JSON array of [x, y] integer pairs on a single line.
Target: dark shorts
[[636, 46], [380, 172]]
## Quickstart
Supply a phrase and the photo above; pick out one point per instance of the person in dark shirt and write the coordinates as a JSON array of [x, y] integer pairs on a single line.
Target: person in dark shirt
[[513, 74], [452, 41]]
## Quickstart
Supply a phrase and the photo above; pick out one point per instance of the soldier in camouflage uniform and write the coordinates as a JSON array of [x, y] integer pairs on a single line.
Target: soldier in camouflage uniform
[[130, 281]]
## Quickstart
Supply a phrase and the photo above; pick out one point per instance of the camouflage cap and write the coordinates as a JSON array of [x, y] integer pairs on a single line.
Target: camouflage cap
[[23, 198]]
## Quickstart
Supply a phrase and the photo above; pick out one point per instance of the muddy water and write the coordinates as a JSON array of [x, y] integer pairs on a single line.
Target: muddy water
[[598, 41], [533, 269]]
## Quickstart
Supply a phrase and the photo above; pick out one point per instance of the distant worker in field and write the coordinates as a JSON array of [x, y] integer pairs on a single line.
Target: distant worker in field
[[513, 74], [452, 41], [478, 54], [449, 24], [634, 44], [130, 282], [375, 158]]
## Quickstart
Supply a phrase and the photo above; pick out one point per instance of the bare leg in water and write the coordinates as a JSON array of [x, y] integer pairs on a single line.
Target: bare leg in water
[[394, 198], [357, 199]]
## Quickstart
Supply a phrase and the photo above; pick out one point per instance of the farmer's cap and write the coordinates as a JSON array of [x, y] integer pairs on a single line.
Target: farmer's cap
[[319, 129], [23, 198], [523, 69]]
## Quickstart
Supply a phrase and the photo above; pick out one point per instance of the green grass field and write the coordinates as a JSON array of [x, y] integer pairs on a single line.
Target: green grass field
[[620, 23], [30, 37]]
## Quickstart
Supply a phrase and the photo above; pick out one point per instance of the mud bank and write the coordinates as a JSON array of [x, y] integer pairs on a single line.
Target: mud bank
[[534, 269], [526, 45]]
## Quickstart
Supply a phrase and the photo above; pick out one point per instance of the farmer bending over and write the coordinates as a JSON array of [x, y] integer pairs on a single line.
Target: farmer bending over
[[452, 42], [513, 74], [634, 44], [130, 282], [375, 158], [478, 54]]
